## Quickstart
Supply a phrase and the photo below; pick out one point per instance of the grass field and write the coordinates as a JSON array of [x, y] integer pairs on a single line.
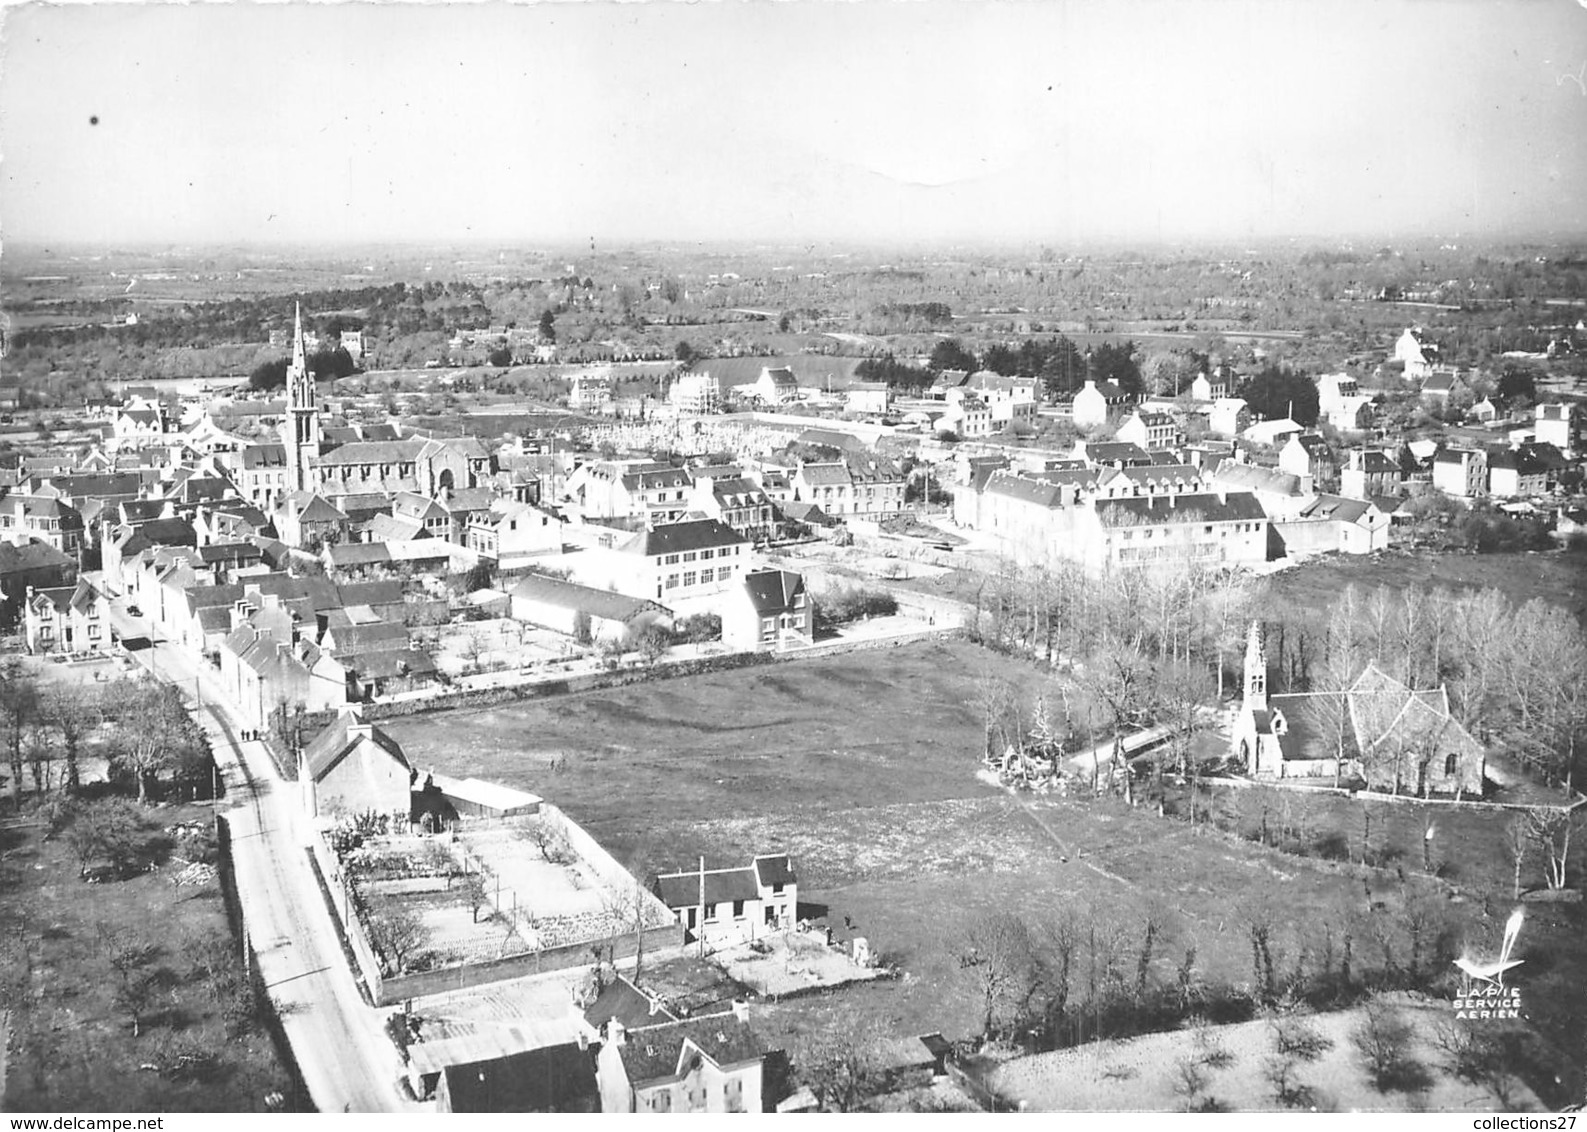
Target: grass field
[[863, 768], [1557, 577], [72, 1048]]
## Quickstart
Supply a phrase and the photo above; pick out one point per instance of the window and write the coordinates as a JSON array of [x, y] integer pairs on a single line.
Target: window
[[670, 560], [710, 913], [672, 581], [768, 628], [738, 908], [690, 577], [704, 554], [777, 889], [93, 634], [1449, 763], [690, 556], [662, 1101]]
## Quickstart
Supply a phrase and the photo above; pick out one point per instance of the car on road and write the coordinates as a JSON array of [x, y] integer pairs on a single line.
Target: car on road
[[134, 611]]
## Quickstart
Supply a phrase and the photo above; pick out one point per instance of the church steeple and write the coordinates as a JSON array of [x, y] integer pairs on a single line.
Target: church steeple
[[1255, 669], [302, 428]]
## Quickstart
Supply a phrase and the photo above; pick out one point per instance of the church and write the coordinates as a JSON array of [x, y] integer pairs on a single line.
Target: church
[[341, 462], [1378, 731]]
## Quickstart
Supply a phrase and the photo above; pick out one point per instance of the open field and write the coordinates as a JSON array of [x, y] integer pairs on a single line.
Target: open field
[[1143, 1073], [72, 1045], [1558, 578], [863, 768]]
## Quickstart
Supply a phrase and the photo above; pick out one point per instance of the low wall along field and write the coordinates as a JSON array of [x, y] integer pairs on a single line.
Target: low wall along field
[[863, 767]]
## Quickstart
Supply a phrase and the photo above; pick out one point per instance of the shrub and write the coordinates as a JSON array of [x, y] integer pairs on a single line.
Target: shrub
[[840, 604]]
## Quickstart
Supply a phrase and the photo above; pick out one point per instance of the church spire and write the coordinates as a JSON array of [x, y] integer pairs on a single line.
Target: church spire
[[300, 361], [301, 429]]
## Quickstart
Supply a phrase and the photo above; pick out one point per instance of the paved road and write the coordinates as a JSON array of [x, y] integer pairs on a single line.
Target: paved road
[[345, 1059]]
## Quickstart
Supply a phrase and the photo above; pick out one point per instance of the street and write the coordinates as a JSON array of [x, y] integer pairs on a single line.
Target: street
[[346, 1061]]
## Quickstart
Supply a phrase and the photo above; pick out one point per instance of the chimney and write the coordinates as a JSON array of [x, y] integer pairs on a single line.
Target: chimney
[[615, 1033], [584, 1040]]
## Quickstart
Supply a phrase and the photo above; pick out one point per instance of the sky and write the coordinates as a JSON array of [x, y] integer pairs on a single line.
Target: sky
[[783, 122]]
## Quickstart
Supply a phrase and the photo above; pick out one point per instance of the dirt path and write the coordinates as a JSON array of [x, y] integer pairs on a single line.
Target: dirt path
[[1068, 854]]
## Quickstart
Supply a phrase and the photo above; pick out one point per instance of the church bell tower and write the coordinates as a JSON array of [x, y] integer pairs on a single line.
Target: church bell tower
[[1255, 670], [301, 433]]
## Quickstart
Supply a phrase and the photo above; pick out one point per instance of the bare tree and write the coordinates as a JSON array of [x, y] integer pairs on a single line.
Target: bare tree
[[1001, 955], [1382, 1039], [135, 986], [398, 934], [546, 837], [1517, 839], [154, 733], [1551, 832], [75, 714], [841, 1063]]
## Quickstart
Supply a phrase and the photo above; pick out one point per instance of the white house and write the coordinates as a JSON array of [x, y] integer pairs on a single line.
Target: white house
[[771, 610], [1461, 472], [730, 905]]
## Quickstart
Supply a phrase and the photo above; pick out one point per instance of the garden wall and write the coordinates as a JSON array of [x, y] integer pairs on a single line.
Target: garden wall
[[329, 873], [489, 697], [400, 987]]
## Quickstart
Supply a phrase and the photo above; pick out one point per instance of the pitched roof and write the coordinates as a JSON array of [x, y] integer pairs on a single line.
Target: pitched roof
[[32, 556], [388, 662], [1149, 510], [373, 452], [339, 737], [264, 456], [772, 591], [1337, 508], [358, 554], [621, 1000], [1111, 451], [604, 604], [1251, 477], [824, 475], [774, 869], [682, 890], [673, 538], [658, 1052]]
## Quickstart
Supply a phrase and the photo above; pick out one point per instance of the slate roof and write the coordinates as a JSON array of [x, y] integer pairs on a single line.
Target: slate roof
[[392, 528], [673, 538], [374, 452], [358, 554], [774, 869], [1337, 508], [331, 745], [621, 1000], [316, 508], [379, 636], [388, 662], [557, 1078], [825, 475], [1237, 506], [264, 456], [604, 604], [656, 1053], [831, 438], [1250, 477], [682, 890], [1116, 451], [1042, 491], [32, 556], [772, 591]]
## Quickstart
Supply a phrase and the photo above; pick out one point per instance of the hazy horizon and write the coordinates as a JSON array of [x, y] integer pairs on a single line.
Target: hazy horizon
[[935, 124]]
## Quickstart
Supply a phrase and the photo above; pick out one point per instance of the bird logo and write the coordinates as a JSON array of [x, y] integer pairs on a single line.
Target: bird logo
[[1492, 973]]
